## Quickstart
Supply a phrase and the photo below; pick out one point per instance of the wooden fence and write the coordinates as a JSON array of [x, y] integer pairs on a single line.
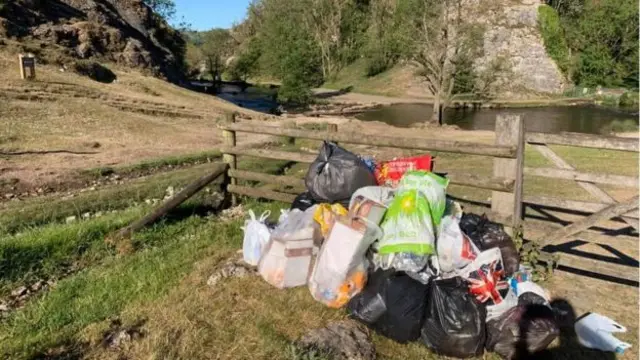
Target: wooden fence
[[506, 182], [507, 154], [508, 206], [602, 208]]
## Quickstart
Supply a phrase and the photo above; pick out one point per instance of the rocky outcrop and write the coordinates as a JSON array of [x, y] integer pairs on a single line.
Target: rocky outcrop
[[121, 31], [513, 36]]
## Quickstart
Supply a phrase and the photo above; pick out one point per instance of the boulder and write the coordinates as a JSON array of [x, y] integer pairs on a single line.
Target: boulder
[[342, 340]]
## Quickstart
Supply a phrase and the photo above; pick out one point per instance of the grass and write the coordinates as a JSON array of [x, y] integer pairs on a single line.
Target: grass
[[152, 164], [38, 211], [163, 283], [165, 253], [46, 252], [353, 75]]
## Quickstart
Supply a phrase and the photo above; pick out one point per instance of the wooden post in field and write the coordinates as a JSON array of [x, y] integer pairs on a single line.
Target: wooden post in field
[[509, 132], [27, 62], [229, 137]]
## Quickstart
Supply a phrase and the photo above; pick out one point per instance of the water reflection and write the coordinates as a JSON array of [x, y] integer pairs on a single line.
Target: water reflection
[[251, 98], [584, 119]]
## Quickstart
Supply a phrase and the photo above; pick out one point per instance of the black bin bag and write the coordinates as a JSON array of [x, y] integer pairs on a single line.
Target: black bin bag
[[454, 322], [392, 304], [303, 201], [336, 174], [522, 331], [487, 235]]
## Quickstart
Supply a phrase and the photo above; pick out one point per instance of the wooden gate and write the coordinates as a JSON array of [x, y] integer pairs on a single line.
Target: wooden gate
[[603, 206]]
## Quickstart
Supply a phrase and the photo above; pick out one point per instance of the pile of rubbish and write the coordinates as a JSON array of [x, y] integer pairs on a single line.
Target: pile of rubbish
[[384, 241]]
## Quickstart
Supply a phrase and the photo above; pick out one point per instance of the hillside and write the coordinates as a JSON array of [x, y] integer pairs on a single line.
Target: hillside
[[61, 32], [62, 123]]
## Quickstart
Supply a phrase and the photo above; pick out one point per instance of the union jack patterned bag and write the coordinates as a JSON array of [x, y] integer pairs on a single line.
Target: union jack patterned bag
[[486, 277]]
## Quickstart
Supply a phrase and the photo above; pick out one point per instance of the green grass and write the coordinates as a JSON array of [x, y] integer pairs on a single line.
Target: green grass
[[166, 252], [47, 251], [38, 211], [354, 76], [154, 164]]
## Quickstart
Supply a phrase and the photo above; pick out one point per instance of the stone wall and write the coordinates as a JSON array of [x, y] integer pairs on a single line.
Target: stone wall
[[513, 34]]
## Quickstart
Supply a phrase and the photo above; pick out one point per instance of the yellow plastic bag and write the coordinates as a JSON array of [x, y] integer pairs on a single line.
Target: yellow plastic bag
[[325, 215]]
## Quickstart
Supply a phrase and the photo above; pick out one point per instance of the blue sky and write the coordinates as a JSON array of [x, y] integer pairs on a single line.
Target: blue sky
[[208, 14]]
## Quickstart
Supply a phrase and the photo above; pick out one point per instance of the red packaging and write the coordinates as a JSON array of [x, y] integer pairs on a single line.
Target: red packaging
[[389, 173]]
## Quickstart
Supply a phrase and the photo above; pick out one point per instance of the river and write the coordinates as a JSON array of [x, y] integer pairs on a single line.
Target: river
[[551, 119]]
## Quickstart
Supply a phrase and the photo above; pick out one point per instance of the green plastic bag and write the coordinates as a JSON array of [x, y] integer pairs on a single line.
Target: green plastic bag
[[411, 219], [432, 186]]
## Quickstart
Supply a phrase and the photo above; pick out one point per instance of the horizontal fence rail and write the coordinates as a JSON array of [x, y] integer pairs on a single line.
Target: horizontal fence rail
[[554, 173], [584, 140], [458, 147]]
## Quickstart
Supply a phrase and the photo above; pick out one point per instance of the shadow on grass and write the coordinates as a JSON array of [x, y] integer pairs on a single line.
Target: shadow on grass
[[66, 351], [569, 348]]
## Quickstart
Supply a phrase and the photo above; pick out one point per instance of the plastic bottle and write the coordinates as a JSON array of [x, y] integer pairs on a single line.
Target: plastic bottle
[[595, 331]]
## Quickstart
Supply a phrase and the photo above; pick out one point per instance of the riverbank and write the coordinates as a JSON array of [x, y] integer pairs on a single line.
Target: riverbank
[[342, 96]]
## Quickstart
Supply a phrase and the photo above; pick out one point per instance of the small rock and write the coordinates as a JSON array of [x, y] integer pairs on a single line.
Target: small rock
[[37, 285], [116, 177], [118, 339], [231, 268], [343, 340], [148, 201], [93, 188], [19, 291], [86, 215], [70, 219], [9, 196], [232, 213], [98, 214], [40, 190], [4, 307]]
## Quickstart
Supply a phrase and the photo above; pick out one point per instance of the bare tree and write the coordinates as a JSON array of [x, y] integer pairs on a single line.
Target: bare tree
[[323, 19], [443, 36]]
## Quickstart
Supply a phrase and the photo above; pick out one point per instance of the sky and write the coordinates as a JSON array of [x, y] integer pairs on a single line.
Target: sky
[[208, 14]]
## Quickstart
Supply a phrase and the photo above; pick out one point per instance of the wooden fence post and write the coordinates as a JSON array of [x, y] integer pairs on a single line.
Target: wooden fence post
[[229, 137], [509, 132]]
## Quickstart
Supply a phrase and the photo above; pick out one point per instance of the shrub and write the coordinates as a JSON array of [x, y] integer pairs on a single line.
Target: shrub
[[553, 37], [629, 100]]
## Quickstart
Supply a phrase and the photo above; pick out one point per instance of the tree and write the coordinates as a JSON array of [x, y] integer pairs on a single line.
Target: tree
[[216, 48], [605, 38], [246, 63], [383, 45], [567, 8], [442, 39], [164, 8], [323, 19], [287, 49]]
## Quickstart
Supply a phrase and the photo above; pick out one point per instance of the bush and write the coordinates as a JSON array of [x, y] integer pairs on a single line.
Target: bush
[[94, 71], [629, 100], [553, 36]]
